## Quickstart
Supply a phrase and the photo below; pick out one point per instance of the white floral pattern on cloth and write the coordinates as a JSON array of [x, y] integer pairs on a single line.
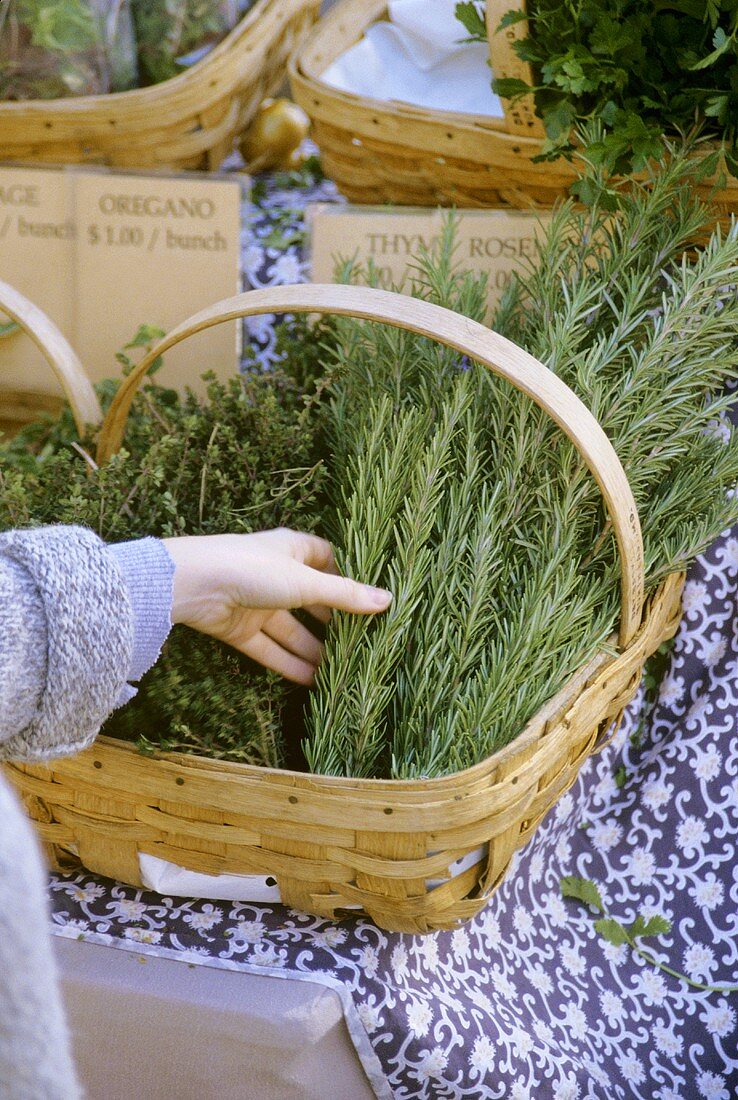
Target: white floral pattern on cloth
[[273, 251], [526, 1002]]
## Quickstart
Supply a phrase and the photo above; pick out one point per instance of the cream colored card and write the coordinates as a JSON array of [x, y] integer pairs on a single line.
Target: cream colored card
[[491, 241], [104, 252], [36, 248], [155, 250]]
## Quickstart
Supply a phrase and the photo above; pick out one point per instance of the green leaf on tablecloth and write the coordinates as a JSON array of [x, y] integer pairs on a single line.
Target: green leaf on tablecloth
[[651, 926], [583, 889], [612, 931]]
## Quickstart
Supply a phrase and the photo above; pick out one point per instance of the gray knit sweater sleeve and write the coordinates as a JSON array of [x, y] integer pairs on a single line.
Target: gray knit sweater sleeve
[[67, 636], [77, 620]]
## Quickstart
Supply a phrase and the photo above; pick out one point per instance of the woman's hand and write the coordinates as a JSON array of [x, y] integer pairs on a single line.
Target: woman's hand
[[239, 588]]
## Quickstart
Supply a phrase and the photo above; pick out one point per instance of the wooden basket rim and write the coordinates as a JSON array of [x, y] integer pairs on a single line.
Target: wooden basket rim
[[554, 710]]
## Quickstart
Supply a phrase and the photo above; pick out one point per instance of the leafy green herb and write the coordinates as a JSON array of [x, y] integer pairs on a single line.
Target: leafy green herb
[[620, 934], [621, 777], [174, 33], [245, 458], [58, 48], [471, 15], [584, 890], [639, 70], [461, 496]]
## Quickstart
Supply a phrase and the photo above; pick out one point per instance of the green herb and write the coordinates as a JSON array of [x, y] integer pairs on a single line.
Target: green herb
[[246, 458], [59, 48], [174, 33], [461, 495], [639, 70], [618, 933], [621, 777]]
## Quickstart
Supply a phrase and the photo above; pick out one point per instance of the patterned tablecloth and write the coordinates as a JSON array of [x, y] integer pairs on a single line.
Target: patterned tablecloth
[[529, 1000]]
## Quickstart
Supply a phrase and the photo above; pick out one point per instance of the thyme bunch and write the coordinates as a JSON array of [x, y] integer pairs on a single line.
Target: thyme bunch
[[244, 458]]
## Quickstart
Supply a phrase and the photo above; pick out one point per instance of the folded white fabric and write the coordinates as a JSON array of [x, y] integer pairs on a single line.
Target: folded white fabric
[[173, 881], [419, 57]]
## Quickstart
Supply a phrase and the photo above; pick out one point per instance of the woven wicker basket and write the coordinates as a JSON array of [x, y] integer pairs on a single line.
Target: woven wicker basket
[[387, 151], [383, 846], [189, 121]]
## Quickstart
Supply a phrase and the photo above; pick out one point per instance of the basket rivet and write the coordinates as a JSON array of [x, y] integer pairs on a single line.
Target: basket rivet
[[457, 798], [179, 781], [388, 809], [96, 764], [292, 798]]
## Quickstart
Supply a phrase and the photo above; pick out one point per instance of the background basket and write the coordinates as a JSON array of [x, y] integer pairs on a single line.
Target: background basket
[[386, 151], [189, 121], [383, 847]]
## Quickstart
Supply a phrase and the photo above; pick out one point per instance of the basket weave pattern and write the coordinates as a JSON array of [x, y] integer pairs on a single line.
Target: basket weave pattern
[[386, 151], [334, 843], [189, 121], [379, 847]]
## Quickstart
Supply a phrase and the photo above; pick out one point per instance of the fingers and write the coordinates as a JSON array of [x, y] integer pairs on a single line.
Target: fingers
[[270, 654], [318, 611], [319, 554], [345, 594], [325, 588], [293, 636], [309, 549]]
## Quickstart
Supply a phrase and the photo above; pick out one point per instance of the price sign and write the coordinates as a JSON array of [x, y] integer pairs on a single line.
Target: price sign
[[493, 242], [154, 250], [105, 252], [36, 245]]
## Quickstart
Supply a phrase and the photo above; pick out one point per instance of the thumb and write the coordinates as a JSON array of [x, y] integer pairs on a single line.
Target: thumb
[[344, 594]]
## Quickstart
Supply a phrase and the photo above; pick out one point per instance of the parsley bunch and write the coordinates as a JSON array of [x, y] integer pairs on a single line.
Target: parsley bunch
[[638, 69]]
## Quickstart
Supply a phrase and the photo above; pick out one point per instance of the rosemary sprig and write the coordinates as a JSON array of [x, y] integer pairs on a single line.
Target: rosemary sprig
[[513, 579]]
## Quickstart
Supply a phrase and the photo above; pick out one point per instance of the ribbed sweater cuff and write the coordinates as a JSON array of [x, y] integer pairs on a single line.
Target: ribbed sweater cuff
[[148, 572]]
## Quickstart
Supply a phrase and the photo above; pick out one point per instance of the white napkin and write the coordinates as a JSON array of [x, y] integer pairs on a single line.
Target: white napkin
[[173, 881], [418, 58]]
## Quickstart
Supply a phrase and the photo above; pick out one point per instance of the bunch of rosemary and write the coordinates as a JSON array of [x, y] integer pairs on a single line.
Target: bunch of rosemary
[[463, 498], [244, 459]]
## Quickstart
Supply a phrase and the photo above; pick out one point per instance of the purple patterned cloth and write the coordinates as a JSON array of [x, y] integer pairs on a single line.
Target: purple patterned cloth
[[528, 1001]]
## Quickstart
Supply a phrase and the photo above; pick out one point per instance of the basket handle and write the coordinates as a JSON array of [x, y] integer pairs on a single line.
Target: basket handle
[[520, 116], [470, 338], [58, 353]]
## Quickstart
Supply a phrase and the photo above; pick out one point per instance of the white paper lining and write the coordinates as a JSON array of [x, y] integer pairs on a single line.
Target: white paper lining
[[175, 881]]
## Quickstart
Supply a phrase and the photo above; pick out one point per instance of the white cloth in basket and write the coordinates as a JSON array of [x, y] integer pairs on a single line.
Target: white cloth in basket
[[419, 57]]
